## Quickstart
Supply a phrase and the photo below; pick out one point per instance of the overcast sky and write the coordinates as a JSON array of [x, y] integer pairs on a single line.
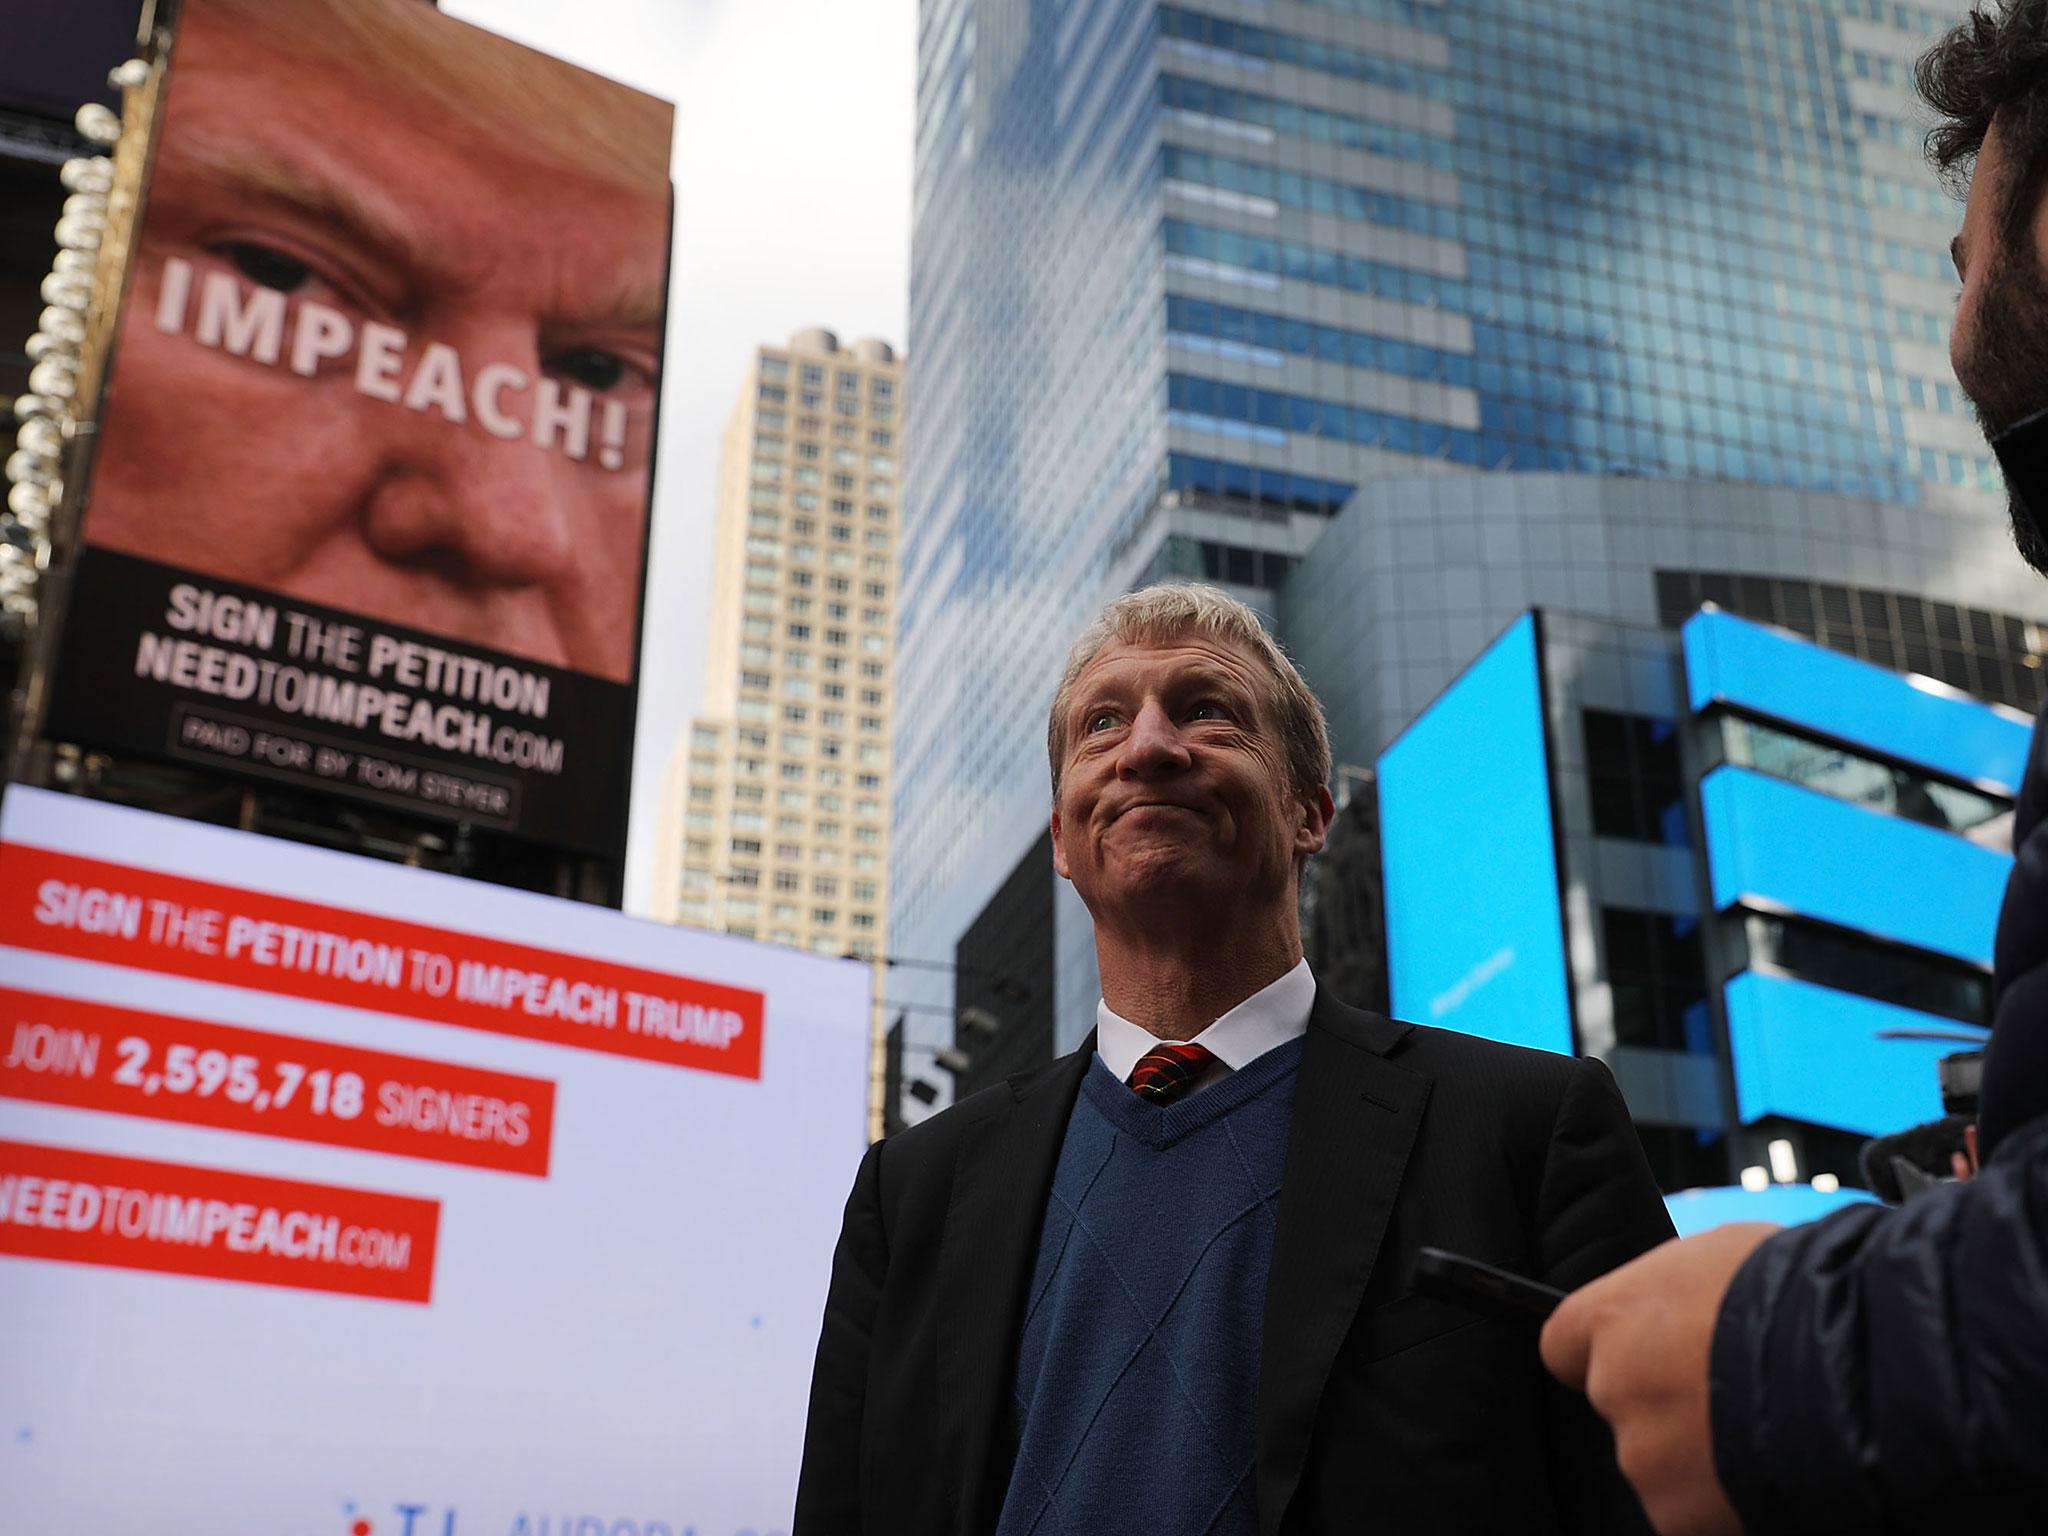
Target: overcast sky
[[792, 172]]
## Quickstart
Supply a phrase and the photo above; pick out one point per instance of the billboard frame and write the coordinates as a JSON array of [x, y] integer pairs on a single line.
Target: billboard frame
[[588, 867]]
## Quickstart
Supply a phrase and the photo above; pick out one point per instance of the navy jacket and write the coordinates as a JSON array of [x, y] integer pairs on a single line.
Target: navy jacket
[[2016, 1063], [1887, 1369]]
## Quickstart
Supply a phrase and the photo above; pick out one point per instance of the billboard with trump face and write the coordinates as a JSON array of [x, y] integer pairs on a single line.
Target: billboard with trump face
[[369, 504]]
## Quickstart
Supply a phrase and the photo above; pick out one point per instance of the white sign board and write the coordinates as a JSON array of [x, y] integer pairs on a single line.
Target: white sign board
[[343, 1199]]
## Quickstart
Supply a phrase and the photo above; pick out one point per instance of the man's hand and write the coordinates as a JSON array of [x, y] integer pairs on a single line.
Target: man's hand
[[1636, 1343], [1964, 1164]]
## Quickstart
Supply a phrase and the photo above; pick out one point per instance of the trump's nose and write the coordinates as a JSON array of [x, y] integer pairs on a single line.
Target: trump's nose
[[479, 512]]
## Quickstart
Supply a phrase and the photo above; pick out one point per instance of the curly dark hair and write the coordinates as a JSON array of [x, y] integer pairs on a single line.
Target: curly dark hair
[[1993, 64]]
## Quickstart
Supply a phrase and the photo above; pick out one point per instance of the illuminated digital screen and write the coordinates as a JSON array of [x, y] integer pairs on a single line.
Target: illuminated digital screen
[[1698, 1210], [1731, 661], [1475, 938], [1811, 1053], [1783, 847], [1799, 1049]]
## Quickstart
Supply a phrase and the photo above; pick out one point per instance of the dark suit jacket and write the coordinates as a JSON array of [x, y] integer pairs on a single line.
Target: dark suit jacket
[[1378, 1410]]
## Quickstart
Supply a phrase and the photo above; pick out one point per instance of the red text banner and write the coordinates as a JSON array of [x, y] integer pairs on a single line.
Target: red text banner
[[57, 1050], [168, 1218], [89, 909]]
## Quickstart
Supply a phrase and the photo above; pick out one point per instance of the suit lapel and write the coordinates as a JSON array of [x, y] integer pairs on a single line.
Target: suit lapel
[[1000, 1183], [1355, 1119]]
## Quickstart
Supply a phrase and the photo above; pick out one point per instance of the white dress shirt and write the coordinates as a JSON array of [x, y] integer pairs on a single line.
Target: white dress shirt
[[1273, 1015]]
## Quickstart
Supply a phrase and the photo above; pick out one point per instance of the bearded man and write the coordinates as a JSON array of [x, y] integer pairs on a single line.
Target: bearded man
[[1887, 1369]]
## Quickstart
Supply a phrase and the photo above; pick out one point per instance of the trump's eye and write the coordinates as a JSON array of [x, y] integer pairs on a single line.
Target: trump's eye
[[592, 367], [625, 373], [284, 266], [1102, 720], [1208, 709], [266, 266]]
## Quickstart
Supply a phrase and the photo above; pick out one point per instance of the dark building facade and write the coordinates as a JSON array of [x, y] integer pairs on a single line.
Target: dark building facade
[[1003, 979]]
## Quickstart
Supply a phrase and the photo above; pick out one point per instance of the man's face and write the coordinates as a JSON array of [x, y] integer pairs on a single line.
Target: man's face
[[1998, 344], [351, 191], [1175, 788]]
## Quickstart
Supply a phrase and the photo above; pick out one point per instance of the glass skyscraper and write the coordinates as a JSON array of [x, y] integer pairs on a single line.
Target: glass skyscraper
[[1185, 276]]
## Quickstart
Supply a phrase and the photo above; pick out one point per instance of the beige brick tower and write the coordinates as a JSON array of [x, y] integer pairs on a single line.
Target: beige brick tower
[[775, 812]]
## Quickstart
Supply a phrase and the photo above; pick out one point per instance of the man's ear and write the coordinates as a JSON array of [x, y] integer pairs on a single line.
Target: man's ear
[[1059, 852], [1317, 812]]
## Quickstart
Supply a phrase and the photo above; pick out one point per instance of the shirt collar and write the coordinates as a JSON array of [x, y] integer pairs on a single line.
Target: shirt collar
[[1271, 1016]]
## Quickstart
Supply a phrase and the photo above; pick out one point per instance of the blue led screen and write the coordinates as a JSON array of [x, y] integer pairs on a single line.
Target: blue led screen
[[1811, 1053], [1475, 940], [1732, 661], [1781, 847], [1697, 1210]]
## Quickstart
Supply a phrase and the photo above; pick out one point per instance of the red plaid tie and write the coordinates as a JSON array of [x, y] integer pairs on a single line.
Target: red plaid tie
[[1166, 1072]]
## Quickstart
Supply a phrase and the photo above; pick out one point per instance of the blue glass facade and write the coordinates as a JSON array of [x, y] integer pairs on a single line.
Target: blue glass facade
[[1250, 256], [1683, 237], [1036, 330]]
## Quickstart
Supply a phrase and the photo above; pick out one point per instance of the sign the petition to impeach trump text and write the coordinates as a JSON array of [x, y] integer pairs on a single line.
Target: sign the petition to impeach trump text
[[330, 1187]]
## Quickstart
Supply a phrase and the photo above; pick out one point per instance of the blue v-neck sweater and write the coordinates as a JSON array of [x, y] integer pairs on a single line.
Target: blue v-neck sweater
[[1138, 1366]]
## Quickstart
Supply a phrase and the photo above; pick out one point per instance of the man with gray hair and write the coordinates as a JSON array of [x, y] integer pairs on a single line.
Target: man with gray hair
[[1163, 1285]]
